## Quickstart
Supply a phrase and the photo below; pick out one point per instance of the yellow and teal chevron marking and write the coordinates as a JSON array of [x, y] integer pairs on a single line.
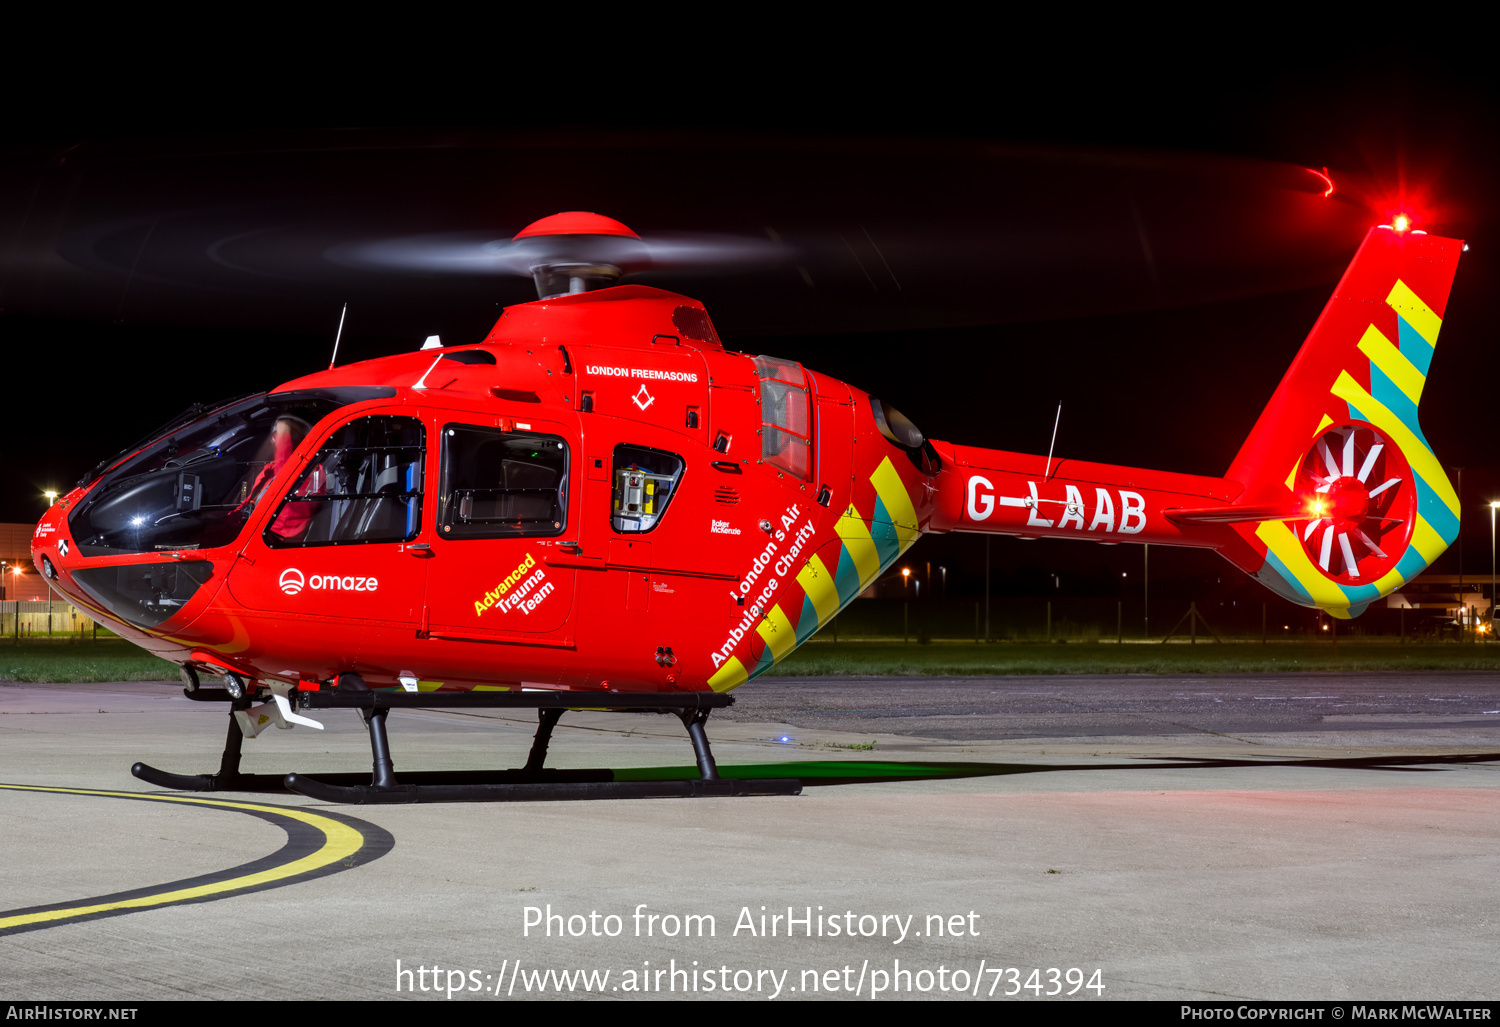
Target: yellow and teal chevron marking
[[1397, 376], [867, 546]]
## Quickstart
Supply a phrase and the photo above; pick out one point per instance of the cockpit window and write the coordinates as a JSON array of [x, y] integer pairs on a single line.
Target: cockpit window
[[785, 414], [365, 485], [195, 487]]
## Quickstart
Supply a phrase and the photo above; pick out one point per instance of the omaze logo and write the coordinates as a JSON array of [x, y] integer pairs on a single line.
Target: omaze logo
[[293, 582]]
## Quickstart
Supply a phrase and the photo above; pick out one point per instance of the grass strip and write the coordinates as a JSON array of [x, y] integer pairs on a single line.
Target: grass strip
[[959, 659], [114, 659], [74, 661]]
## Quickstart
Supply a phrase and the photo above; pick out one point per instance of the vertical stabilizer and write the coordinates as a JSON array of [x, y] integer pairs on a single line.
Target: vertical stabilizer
[[1341, 436]]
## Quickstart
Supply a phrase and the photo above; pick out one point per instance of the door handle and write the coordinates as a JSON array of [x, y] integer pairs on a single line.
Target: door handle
[[419, 549]]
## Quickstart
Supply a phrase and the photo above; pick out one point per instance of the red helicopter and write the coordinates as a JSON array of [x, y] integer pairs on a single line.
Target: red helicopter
[[601, 506]]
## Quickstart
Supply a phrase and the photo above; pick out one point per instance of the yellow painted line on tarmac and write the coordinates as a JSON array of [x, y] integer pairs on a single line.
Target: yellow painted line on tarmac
[[341, 843]]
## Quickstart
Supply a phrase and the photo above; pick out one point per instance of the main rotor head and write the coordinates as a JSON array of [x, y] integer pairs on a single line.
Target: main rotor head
[[578, 251]]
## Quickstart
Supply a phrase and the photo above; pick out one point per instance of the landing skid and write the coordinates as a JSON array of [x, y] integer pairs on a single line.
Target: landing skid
[[533, 782]]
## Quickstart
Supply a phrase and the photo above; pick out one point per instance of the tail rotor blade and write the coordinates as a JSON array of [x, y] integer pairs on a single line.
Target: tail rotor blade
[[1333, 467], [1371, 543], [1327, 548], [1388, 484], [1350, 567], [1369, 464], [1349, 455]]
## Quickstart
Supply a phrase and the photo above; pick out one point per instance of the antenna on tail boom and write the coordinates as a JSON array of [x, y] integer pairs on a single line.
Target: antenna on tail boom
[[1047, 474]]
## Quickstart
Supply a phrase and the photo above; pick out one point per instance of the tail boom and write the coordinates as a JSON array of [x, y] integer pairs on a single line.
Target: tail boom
[[996, 492]]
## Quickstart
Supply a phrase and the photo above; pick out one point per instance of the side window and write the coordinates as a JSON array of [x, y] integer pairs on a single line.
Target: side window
[[786, 422], [644, 482], [365, 485], [502, 484]]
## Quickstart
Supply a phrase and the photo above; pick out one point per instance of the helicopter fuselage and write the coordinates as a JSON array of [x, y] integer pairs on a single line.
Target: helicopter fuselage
[[600, 496], [597, 496]]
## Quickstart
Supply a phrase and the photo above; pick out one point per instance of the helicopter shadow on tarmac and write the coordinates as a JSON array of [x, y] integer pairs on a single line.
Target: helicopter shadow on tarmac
[[819, 773]]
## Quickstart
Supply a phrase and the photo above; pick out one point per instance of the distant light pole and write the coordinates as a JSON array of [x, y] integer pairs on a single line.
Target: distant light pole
[[1493, 507], [51, 496], [1461, 618], [15, 619], [987, 588]]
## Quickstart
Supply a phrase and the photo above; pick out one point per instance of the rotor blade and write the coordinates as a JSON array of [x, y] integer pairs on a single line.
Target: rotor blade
[[1376, 492], [1349, 455], [1311, 527], [1371, 543], [1349, 565], [1327, 548], [1333, 467], [482, 253], [1364, 472]]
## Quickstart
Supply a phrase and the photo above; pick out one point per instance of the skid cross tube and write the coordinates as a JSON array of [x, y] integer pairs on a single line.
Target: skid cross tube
[[547, 719], [533, 782]]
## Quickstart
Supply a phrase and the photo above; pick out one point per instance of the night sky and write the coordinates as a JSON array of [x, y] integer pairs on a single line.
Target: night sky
[[1136, 240]]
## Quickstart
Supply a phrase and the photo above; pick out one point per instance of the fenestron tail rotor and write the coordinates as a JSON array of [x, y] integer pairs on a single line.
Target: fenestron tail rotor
[[1353, 529]]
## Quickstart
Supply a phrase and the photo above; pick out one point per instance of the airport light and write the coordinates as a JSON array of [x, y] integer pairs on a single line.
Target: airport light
[[51, 496]]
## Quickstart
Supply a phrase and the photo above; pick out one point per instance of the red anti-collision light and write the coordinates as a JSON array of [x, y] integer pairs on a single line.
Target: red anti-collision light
[[576, 222]]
